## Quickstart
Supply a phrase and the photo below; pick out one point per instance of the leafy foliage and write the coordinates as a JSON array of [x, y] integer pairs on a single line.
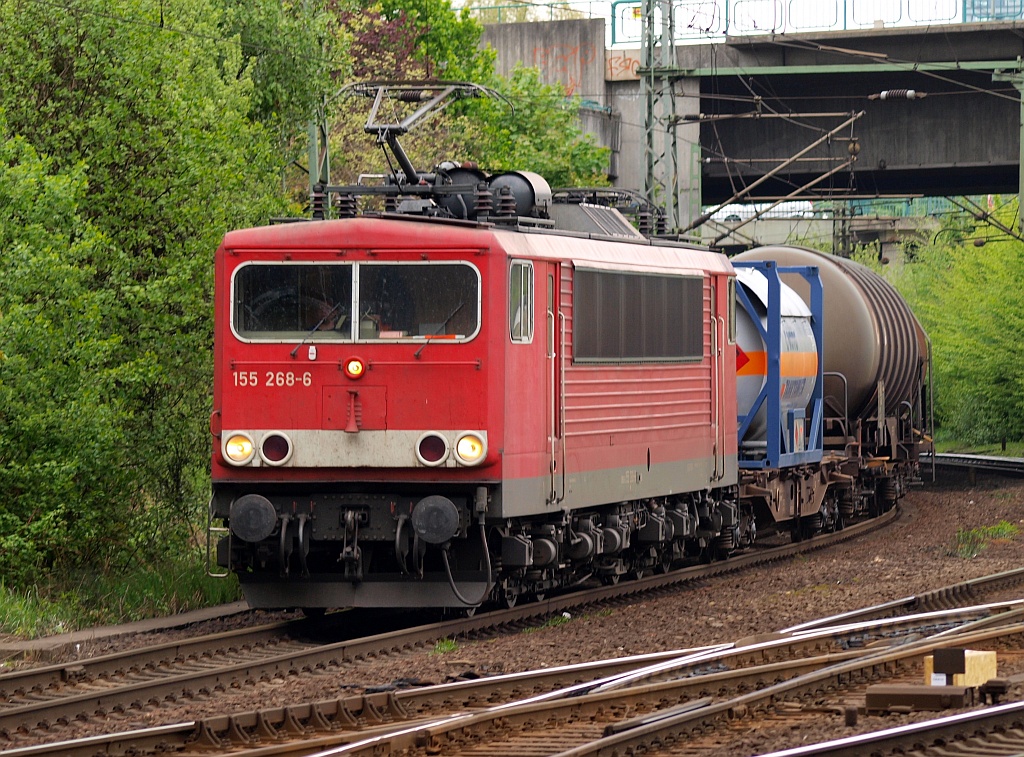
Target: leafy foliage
[[970, 301], [133, 152], [59, 471], [543, 133], [289, 50]]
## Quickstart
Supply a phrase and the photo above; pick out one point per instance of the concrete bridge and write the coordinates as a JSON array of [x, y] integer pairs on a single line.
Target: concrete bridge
[[880, 112]]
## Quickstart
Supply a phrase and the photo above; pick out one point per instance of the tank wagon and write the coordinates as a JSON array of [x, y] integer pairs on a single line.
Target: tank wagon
[[486, 391], [872, 418]]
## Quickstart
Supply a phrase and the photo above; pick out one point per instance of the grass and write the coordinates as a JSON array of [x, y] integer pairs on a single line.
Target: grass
[[445, 646], [552, 622], [59, 604], [1013, 449], [971, 543]]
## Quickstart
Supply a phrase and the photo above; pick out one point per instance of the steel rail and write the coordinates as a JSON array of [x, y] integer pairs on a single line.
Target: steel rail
[[675, 727], [949, 596], [938, 736], [571, 705], [134, 661], [1010, 465]]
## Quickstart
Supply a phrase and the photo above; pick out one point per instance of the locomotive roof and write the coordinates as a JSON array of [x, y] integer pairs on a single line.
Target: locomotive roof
[[397, 232]]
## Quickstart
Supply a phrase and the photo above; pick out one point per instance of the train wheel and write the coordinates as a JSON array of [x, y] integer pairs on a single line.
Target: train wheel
[[611, 579], [508, 596], [664, 564]]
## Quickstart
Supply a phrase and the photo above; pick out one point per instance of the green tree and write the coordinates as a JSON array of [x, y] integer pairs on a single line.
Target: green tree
[[542, 133], [60, 442], [445, 42], [970, 300], [146, 107]]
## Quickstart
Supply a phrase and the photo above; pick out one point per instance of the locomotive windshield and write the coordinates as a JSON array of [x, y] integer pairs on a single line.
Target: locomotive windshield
[[391, 301]]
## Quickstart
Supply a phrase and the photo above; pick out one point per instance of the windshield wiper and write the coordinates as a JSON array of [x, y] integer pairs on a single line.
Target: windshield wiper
[[316, 328], [439, 329]]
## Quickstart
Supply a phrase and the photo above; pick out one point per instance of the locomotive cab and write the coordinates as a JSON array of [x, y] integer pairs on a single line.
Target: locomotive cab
[[353, 431]]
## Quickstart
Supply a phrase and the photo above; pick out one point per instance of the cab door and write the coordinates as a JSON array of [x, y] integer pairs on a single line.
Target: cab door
[[554, 355]]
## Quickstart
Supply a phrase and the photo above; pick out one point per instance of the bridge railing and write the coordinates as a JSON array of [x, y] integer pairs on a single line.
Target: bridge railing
[[704, 20]]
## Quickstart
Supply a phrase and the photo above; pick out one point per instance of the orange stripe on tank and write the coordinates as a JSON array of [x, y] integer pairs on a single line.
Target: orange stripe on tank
[[793, 364]]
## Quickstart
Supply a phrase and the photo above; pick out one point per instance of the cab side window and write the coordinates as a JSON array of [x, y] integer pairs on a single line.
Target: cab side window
[[520, 301]]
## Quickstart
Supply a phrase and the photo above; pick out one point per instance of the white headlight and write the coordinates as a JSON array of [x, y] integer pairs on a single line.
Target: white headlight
[[470, 449], [238, 448]]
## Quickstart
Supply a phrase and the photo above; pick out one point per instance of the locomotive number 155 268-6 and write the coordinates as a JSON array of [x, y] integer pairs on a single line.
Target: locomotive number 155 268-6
[[273, 378]]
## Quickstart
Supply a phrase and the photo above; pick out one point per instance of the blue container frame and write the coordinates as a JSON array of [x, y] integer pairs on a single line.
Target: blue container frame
[[781, 425]]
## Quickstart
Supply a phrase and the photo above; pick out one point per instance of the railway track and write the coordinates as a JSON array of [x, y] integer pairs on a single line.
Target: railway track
[[995, 732], [1009, 465], [615, 704], [48, 699]]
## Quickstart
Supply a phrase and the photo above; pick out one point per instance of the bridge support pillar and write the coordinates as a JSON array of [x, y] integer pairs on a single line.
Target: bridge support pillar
[[1016, 78]]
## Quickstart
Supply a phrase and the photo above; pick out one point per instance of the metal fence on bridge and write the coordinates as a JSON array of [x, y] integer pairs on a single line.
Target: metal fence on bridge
[[704, 20]]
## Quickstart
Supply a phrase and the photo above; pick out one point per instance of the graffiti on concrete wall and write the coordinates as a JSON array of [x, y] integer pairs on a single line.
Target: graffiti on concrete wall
[[622, 65], [565, 63]]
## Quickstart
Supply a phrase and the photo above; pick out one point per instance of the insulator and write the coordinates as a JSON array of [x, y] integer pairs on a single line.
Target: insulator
[[318, 202], [645, 222], [898, 94], [348, 206], [506, 205], [414, 95], [390, 204], [484, 200]]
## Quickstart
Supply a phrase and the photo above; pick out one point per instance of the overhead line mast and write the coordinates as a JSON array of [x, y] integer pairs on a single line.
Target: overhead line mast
[[657, 66]]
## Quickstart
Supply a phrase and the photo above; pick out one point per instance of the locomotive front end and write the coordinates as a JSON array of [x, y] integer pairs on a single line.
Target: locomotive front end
[[353, 437]]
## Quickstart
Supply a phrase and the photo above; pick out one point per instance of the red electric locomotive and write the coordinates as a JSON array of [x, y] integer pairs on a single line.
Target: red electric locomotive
[[414, 412]]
